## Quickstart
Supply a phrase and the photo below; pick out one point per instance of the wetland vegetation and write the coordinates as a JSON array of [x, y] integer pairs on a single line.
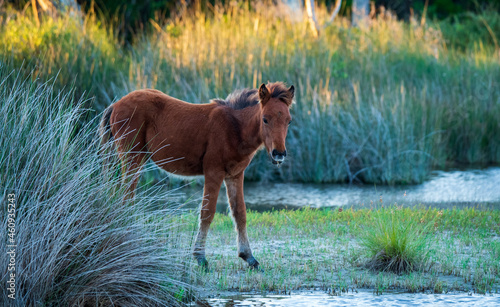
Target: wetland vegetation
[[331, 250], [383, 104]]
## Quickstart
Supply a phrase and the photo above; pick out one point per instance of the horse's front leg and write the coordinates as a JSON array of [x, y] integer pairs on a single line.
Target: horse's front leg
[[211, 189], [234, 186]]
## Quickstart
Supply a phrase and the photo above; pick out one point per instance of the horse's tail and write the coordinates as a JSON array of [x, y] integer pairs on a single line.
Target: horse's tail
[[105, 126]]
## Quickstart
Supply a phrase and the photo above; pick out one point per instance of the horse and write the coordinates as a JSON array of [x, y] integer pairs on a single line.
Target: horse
[[217, 140]]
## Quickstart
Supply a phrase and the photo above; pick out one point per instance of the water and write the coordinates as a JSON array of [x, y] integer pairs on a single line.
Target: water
[[444, 189], [362, 298]]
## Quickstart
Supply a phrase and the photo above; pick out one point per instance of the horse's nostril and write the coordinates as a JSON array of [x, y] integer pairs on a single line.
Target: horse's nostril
[[278, 154]]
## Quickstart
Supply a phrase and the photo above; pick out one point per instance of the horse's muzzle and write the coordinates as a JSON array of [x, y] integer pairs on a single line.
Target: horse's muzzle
[[278, 157]]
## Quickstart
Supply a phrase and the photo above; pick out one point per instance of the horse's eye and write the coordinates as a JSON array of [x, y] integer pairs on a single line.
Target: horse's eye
[[265, 121]]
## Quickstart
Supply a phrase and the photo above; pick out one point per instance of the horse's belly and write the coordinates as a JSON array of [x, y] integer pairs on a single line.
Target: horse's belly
[[179, 165]]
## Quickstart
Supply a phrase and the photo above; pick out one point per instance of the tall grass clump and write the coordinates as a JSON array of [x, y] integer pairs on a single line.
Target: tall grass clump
[[396, 241], [77, 244]]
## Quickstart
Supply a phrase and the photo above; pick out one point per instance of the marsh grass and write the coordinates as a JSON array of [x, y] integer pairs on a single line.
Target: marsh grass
[[396, 243], [370, 104], [82, 51], [77, 243], [386, 103], [323, 249]]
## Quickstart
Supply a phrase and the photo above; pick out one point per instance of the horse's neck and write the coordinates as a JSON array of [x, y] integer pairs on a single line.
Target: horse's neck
[[250, 120]]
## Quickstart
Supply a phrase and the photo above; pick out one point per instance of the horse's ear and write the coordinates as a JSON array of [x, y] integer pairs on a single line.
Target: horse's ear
[[263, 94], [292, 91]]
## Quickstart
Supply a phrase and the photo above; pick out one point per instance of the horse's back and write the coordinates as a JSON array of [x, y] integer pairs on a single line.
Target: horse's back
[[146, 101], [166, 127], [148, 105]]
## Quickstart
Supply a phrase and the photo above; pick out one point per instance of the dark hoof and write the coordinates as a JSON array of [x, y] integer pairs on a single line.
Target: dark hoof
[[256, 269], [254, 264], [203, 263]]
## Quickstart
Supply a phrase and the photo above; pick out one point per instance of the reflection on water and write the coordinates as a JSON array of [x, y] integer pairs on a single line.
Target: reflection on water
[[445, 189], [362, 298]]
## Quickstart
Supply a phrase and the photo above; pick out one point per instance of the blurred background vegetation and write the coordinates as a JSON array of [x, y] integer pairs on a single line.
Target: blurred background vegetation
[[132, 17], [414, 90]]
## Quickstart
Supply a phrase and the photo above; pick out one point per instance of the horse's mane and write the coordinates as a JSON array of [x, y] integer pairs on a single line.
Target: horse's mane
[[280, 91], [240, 99], [244, 98]]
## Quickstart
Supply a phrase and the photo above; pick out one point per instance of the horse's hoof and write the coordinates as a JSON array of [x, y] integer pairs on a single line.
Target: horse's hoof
[[257, 269], [203, 263], [254, 264], [206, 269]]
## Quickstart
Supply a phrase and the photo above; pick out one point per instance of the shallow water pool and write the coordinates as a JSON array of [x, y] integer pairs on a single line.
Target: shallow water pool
[[361, 298], [444, 189]]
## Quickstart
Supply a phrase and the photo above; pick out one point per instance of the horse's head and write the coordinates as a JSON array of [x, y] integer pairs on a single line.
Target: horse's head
[[276, 100]]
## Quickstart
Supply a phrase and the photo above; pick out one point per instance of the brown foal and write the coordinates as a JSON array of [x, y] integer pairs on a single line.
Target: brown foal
[[217, 140]]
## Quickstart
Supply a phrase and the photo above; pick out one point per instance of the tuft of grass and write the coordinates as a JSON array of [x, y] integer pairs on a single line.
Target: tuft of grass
[[76, 243], [396, 243]]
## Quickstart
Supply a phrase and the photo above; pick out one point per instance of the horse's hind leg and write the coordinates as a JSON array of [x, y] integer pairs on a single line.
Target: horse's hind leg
[[234, 188], [213, 181], [133, 154], [131, 171]]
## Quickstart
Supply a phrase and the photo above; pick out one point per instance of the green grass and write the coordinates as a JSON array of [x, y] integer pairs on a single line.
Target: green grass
[[76, 242], [384, 104], [396, 243], [323, 250]]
